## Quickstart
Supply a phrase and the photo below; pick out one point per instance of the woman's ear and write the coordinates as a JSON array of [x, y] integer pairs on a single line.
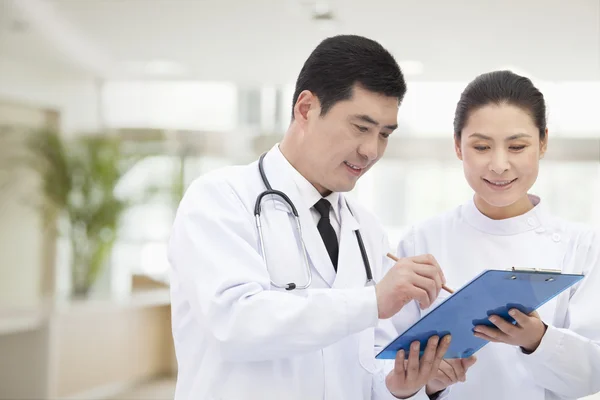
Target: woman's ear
[[544, 145], [457, 148]]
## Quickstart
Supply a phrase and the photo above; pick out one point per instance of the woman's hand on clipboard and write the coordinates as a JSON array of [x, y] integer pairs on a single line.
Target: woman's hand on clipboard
[[526, 333]]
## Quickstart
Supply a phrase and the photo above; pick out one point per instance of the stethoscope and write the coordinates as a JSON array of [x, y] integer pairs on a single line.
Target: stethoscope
[[271, 191]]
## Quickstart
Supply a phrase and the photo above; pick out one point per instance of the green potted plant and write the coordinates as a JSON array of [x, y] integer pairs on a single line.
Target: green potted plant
[[77, 178]]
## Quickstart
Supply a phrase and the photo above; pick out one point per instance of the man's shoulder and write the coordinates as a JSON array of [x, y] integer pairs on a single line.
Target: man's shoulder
[[230, 176], [225, 185]]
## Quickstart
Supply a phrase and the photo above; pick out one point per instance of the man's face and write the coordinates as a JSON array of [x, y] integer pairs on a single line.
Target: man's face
[[348, 140]]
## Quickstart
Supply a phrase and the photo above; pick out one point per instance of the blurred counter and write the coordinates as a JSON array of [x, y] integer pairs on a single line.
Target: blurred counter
[[85, 349]]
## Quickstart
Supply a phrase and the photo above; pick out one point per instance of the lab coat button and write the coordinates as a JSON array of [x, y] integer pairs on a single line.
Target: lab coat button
[[556, 237], [531, 221], [540, 230]]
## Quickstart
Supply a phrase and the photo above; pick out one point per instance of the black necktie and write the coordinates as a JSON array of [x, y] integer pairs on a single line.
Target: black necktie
[[326, 230]]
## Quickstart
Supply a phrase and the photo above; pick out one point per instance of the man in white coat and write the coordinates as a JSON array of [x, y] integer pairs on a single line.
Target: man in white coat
[[238, 332]]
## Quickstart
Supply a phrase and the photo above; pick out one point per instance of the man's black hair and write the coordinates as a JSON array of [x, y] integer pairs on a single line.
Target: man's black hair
[[340, 62]]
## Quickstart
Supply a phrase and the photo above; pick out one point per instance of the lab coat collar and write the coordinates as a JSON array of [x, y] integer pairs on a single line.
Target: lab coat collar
[[347, 213], [533, 219], [352, 271], [280, 174]]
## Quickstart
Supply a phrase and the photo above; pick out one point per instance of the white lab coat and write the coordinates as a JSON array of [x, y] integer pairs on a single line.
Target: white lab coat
[[236, 336], [566, 365]]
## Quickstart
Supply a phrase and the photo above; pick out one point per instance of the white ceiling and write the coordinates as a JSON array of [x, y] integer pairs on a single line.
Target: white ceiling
[[266, 41]]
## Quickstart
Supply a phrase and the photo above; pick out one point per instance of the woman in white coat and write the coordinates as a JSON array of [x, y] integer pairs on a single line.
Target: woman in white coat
[[500, 136], [238, 332]]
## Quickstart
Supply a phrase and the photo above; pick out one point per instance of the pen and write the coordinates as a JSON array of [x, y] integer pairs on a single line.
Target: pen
[[446, 288]]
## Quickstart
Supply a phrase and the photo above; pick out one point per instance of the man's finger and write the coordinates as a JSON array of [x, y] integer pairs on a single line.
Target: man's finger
[[447, 370], [429, 271], [421, 296], [504, 326], [425, 259], [399, 364], [461, 374], [468, 362], [428, 285], [442, 377], [425, 369], [412, 368], [430, 260], [441, 351]]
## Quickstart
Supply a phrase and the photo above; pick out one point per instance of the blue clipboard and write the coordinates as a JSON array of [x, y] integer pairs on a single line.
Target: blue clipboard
[[491, 292]]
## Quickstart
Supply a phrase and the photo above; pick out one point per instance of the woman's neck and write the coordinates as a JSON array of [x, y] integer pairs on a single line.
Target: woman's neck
[[519, 207]]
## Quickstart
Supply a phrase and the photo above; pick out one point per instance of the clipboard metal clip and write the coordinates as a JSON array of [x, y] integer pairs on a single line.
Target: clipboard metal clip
[[541, 270]]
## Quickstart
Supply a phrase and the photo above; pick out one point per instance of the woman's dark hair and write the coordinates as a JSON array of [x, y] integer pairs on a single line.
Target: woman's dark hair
[[501, 87], [340, 62]]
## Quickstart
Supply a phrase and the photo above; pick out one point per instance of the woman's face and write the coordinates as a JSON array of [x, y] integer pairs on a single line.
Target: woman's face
[[500, 148]]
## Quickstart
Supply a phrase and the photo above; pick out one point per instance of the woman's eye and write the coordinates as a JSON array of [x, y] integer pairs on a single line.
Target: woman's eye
[[517, 148], [362, 128], [385, 135], [481, 148]]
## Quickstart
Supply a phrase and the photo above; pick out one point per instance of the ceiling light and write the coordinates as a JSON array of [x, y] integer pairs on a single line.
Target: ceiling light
[[322, 11]]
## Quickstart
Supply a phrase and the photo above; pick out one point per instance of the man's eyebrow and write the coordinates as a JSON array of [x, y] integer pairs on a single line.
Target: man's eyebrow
[[371, 121]]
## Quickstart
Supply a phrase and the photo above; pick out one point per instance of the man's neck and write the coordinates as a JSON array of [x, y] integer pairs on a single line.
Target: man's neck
[[291, 148]]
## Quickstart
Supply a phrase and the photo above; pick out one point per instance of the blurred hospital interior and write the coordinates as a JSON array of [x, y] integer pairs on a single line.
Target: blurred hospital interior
[[137, 98]]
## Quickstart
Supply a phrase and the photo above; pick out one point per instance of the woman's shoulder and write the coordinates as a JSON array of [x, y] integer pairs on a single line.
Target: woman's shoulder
[[580, 234]]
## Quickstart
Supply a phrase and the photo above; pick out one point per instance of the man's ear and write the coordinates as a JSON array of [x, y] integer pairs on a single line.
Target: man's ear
[[306, 103], [457, 148]]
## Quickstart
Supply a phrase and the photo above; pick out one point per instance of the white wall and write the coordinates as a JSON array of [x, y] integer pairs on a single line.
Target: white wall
[[21, 248], [75, 98], [21, 236]]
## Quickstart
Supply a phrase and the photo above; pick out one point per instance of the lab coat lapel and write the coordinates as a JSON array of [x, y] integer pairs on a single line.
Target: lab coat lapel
[[351, 268], [315, 248], [314, 244]]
